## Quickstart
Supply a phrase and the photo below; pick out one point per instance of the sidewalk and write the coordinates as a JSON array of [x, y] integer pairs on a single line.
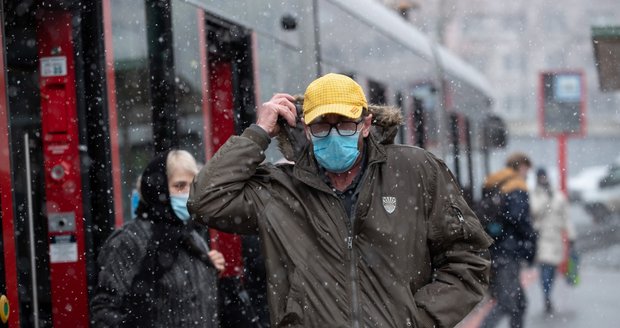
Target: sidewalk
[[593, 303], [474, 319]]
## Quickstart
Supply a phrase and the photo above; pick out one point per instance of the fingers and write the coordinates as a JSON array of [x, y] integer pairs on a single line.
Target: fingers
[[283, 95], [286, 108], [216, 256], [217, 259], [281, 104], [290, 116]]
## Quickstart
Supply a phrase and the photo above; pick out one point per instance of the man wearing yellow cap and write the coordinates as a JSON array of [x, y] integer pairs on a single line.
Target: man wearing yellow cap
[[357, 232]]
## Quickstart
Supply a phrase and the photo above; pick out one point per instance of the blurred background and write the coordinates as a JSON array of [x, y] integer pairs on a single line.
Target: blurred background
[[512, 43]]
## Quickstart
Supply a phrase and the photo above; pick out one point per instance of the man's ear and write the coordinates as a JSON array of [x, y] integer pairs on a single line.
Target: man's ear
[[367, 125]]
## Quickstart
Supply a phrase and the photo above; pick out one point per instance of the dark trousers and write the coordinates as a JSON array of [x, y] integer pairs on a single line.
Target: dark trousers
[[235, 312], [508, 293]]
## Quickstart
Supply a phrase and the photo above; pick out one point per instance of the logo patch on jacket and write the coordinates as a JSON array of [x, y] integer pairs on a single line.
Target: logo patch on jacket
[[389, 203]]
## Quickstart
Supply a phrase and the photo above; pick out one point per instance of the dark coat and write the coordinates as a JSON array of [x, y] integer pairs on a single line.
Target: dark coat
[[155, 270], [422, 263]]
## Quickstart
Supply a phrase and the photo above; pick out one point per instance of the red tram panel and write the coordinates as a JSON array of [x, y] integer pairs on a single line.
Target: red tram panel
[[222, 127], [63, 187]]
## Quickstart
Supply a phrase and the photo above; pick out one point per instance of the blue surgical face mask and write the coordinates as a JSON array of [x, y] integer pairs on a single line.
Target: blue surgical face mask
[[179, 206], [336, 153]]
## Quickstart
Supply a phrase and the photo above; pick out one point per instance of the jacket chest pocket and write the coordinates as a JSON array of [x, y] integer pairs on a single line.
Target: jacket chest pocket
[[452, 227], [462, 228]]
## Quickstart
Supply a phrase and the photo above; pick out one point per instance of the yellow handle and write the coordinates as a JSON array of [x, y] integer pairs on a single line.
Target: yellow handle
[[4, 309]]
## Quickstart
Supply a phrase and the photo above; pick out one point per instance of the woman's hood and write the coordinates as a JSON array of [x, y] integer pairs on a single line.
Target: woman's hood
[[385, 123], [154, 183], [154, 195]]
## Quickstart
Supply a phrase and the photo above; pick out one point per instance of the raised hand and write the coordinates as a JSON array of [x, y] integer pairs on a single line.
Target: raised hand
[[280, 105]]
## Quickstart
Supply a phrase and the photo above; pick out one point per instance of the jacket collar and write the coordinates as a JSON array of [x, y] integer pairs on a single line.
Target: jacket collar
[[307, 171]]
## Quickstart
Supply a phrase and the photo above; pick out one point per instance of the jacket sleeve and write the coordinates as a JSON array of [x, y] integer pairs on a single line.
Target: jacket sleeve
[[230, 190], [116, 259], [458, 249]]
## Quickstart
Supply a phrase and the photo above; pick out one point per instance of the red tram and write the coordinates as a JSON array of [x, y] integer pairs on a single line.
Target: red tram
[[90, 90]]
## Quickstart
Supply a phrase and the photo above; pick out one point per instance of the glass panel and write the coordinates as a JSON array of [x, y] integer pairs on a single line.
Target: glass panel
[[345, 52], [132, 94], [188, 79]]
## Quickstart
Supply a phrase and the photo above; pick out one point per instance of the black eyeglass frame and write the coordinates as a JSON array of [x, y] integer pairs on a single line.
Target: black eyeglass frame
[[335, 125]]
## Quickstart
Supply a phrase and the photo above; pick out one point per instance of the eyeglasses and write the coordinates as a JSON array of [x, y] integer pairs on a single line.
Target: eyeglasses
[[323, 129]]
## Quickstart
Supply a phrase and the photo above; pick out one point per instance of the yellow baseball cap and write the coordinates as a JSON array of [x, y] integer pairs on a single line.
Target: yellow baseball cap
[[333, 94]]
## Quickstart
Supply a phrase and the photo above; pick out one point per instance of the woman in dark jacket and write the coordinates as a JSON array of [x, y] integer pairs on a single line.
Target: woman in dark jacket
[[158, 271]]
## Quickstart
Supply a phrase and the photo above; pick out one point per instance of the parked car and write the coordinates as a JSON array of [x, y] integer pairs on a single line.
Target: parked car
[[585, 182], [603, 200]]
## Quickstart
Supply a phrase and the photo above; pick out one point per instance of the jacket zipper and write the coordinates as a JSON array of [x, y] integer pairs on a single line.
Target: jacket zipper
[[352, 269], [355, 311], [354, 291], [355, 304], [353, 275], [459, 216]]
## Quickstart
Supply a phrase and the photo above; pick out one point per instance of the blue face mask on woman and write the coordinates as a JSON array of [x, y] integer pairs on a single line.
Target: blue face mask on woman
[[179, 206], [336, 153]]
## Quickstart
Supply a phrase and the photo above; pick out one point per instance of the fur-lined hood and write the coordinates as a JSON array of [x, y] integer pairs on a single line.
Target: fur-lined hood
[[508, 180], [385, 123]]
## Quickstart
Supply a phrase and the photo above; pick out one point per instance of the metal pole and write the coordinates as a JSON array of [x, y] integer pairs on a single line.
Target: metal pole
[[161, 70], [317, 37], [562, 161], [454, 142], [31, 237]]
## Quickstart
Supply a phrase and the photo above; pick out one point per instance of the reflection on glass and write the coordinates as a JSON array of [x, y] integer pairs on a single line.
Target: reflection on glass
[[187, 66], [132, 94]]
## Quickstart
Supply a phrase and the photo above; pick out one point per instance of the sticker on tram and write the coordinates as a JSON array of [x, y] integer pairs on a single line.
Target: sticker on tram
[[53, 66], [63, 249]]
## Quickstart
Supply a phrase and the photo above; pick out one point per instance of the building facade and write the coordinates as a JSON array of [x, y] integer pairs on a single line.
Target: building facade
[[512, 42]]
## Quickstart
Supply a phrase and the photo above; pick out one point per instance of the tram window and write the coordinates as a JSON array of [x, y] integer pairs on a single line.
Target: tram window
[[132, 93], [377, 93], [420, 129]]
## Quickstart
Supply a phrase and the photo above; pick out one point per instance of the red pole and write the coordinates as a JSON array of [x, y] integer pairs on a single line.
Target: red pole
[[562, 161]]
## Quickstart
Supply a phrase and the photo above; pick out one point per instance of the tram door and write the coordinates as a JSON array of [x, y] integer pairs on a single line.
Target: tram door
[[231, 103], [45, 160]]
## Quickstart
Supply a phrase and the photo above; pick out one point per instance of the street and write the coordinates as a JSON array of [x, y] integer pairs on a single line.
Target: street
[[594, 301]]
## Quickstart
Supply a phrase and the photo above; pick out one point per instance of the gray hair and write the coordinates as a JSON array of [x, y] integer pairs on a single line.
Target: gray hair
[[181, 160]]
